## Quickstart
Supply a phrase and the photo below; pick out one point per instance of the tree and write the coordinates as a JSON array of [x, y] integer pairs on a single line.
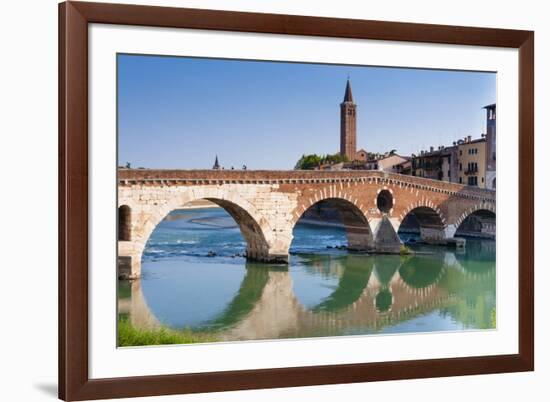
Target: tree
[[311, 161], [335, 158], [308, 162]]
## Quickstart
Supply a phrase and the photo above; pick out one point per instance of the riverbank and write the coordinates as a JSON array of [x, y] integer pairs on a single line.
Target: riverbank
[[128, 335]]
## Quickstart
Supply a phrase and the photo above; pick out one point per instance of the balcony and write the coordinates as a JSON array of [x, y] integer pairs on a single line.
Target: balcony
[[470, 171]]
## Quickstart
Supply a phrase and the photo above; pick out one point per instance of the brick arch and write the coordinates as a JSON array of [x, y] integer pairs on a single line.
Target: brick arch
[[431, 221], [422, 203], [254, 227], [484, 206], [304, 203], [354, 217]]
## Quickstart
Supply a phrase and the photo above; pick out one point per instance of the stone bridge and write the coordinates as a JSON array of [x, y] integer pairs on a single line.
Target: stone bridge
[[267, 205]]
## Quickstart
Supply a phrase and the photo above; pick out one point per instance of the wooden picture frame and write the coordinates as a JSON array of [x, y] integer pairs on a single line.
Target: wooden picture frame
[[74, 381]]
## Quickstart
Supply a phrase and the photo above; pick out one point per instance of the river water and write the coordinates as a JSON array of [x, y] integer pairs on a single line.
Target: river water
[[194, 277]]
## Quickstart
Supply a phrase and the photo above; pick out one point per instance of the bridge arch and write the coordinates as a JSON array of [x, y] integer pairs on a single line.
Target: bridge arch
[[353, 217], [479, 220], [254, 227], [426, 219]]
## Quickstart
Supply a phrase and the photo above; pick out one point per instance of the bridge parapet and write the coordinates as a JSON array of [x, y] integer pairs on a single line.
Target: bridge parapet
[[128, 177]]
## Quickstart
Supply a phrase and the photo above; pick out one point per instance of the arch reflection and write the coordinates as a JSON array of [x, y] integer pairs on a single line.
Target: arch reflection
[[356, 274], [385, 269], [372, 294], [420, 272]]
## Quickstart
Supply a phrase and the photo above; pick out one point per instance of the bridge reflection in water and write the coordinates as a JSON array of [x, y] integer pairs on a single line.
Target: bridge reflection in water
[[318, 295]]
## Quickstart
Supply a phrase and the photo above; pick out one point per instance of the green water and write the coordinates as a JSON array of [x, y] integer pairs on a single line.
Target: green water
[[323, 291]]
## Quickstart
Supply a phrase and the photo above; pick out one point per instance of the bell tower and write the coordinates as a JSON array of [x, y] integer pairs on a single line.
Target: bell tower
[[348, 129]]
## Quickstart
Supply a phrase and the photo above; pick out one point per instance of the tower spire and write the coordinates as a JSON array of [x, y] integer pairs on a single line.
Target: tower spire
[[348, 96], [216, 164]]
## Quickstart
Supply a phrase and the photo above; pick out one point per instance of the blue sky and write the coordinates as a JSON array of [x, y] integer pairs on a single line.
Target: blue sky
[[177, 112]]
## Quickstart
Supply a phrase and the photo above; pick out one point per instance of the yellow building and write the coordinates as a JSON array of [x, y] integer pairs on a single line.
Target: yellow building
[[471, 161]]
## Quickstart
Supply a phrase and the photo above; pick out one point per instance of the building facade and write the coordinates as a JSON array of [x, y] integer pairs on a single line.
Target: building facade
[[387, 163], [404, 167], [437, 164], [472, 159], [361, 155]]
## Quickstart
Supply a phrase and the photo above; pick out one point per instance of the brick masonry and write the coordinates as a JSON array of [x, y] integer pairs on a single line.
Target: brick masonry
[[267, 204]]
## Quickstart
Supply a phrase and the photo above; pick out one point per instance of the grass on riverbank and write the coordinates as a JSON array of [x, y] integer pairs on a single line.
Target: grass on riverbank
[[128, 335]]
